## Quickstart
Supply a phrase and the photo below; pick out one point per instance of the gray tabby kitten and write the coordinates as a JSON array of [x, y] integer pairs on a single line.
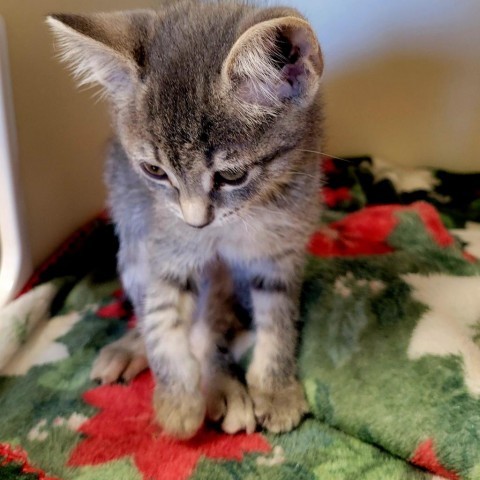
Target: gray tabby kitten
[[214, 192]]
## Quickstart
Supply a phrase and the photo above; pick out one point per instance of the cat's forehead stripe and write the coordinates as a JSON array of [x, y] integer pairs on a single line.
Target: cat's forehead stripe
[[209, 157], [156, 153]]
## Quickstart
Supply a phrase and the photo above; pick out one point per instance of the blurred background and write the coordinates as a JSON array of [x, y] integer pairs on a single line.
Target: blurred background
[[402, 82]]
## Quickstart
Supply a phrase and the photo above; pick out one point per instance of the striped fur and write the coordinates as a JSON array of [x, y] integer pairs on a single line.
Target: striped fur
[[223, 98]]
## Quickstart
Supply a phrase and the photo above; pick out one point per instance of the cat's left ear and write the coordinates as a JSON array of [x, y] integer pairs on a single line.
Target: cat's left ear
[[104, 48], [273, 62]]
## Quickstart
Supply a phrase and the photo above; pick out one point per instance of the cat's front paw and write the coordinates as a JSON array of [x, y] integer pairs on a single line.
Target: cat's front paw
[[181, 415], [280, 410], [229, 402], [123, 359]]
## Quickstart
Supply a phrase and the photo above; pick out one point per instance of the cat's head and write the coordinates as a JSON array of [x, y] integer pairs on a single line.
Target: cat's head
[[211, 101]]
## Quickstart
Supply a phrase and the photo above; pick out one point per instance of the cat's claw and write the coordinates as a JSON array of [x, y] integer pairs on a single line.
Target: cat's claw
[[228, 401], [122, 360], [180, 415], [281, 410]]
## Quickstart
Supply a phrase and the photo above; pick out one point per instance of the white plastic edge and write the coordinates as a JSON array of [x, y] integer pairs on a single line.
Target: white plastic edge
[[15, 258]]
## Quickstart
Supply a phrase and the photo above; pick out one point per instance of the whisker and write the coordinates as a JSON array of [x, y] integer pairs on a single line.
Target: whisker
[[249, 226], [323, 153], [245, 224], [296, 172]]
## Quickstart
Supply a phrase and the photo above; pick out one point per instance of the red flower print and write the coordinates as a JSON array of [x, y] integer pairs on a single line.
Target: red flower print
[[366, 232], [16, 455], [125, 427], [425, 457], [328, 165], [117, 308], [334, 196]]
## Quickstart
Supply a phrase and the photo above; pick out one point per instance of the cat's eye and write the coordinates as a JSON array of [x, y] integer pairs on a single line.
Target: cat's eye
[[231, 177], [154, 171]]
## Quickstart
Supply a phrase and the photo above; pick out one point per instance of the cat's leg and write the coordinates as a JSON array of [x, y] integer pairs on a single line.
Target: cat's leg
[[125, 358], [179, 404], [215, 328], [278, 396], [228, 401]]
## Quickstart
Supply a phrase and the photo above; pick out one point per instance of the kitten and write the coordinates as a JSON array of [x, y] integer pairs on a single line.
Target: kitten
[[213, 188]]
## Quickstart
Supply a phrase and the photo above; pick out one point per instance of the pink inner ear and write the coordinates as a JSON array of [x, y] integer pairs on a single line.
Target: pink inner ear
[[295, 73], [285, 74], [295, 79]]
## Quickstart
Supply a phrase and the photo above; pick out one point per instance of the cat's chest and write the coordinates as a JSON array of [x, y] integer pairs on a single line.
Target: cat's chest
[[262, 237], [240, 243], [181, 248]]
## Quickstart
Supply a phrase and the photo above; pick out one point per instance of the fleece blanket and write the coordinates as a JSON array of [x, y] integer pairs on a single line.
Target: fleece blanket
[[356, 182], [389, 357]]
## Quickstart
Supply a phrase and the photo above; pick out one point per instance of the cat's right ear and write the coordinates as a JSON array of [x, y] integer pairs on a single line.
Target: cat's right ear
[[104, 48], [273, 62]]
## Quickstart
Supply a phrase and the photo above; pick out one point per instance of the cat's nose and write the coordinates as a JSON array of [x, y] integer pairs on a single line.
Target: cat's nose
[[196, 212]]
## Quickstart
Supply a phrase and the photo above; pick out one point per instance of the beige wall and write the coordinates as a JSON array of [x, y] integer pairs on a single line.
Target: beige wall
[[402, 82]]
